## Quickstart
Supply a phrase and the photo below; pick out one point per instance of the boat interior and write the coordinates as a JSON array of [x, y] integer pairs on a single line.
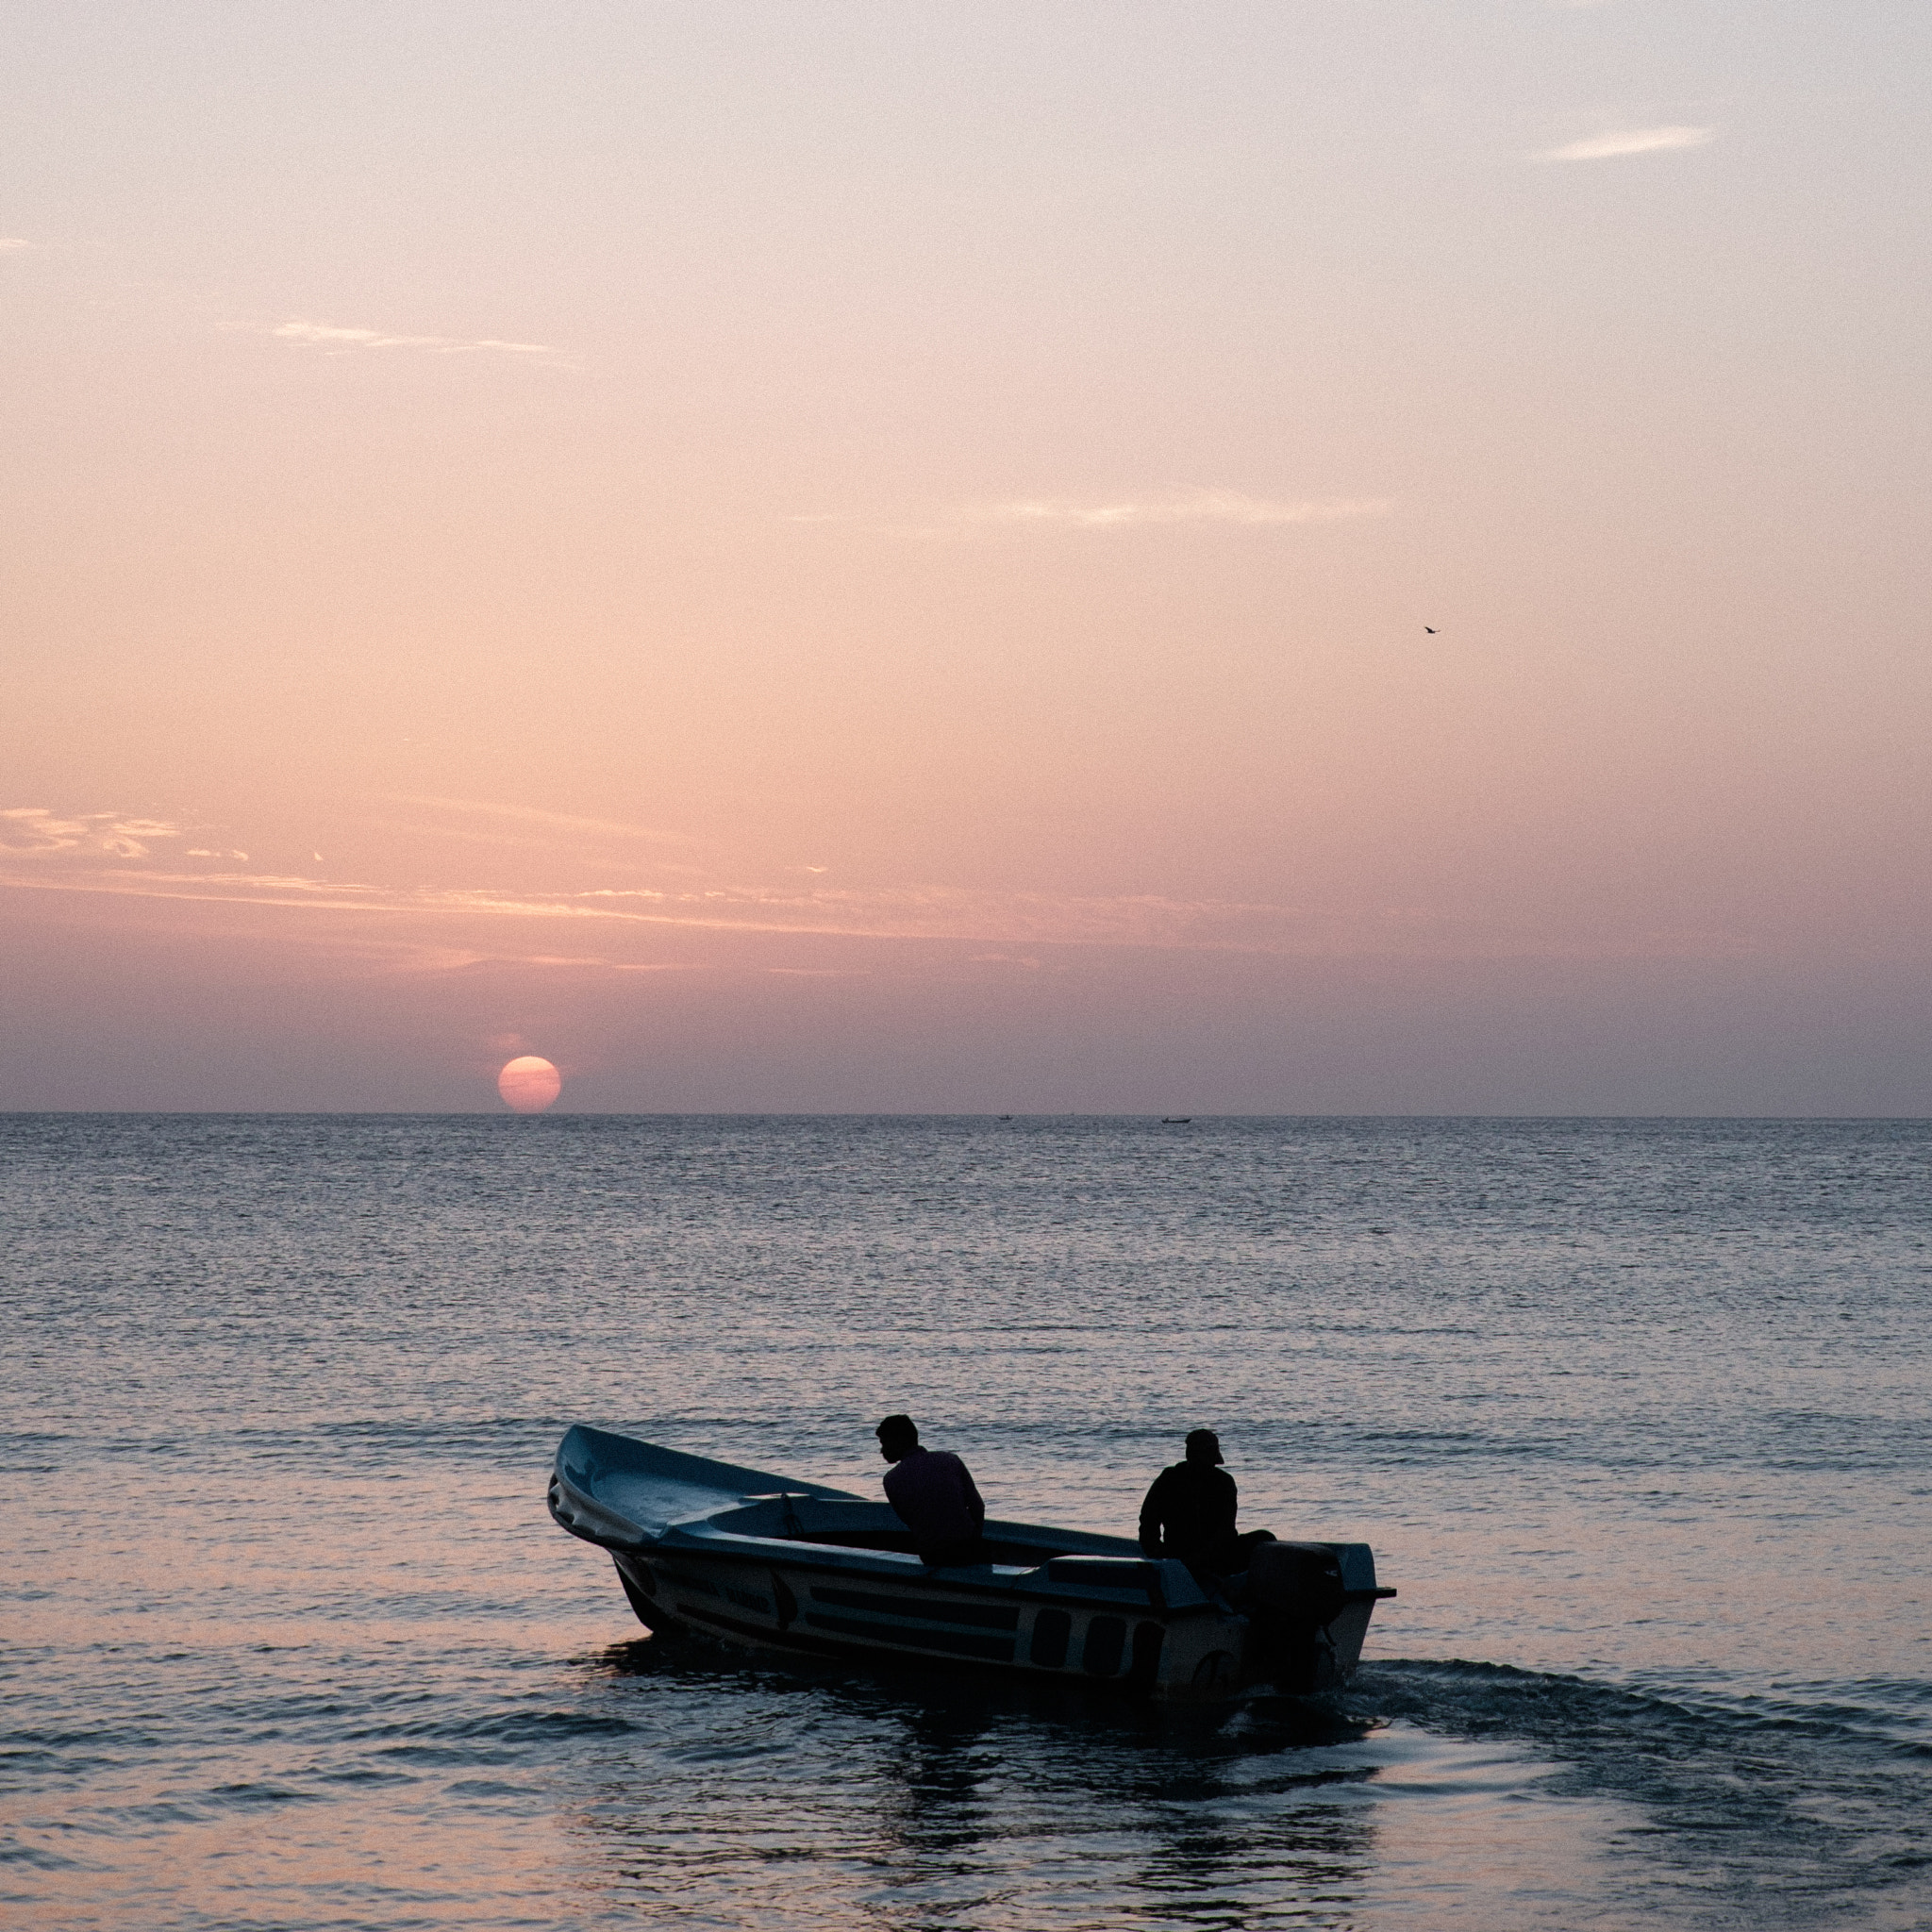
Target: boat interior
[[656, 1488], [861, 1525]]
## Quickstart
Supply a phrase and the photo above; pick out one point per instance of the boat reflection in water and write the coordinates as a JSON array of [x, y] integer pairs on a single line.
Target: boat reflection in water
[[825, 1798], [771, 1566]]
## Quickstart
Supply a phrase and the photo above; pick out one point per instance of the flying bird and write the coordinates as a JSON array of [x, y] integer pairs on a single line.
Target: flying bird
[[1430, 628]]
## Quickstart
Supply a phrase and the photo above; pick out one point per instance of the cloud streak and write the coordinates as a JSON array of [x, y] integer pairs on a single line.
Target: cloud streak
[[559, 825], [1192, 506], [1630, 141], [344, 342], [31, 831], [1154, 510], [456, 923], [712, 922]]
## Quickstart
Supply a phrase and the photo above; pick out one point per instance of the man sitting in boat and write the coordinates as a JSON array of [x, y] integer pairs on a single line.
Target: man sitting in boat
[[931, 1491], [1190, 1512]]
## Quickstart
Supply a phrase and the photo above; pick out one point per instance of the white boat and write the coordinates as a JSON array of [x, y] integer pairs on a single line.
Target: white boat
[[771, 1565]]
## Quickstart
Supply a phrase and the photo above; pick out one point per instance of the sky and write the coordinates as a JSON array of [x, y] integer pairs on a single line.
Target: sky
[[1316, 557]]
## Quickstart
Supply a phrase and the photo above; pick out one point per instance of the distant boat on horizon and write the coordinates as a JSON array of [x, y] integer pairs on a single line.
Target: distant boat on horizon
[[1176, 1119]]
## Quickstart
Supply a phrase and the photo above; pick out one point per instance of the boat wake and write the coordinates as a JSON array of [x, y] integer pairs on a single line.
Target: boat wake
[[1805, 1803]]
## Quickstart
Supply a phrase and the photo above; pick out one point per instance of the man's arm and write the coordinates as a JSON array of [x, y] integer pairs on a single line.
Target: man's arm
[[1150, 1517], [976, 1504]]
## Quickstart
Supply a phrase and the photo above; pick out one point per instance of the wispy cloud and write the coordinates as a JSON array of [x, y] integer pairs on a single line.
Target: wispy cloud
[[9, 242], [714, 922], [31, 831], [1151, 510], [466, 927], [344, 342], [1192, 507], [551, 826], [1630, 140]]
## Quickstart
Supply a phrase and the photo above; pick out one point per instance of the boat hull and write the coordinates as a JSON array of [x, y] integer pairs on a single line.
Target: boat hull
[[805, 1611]]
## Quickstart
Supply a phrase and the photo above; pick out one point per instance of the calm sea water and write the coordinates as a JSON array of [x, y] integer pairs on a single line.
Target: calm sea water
[[1638, 1416]]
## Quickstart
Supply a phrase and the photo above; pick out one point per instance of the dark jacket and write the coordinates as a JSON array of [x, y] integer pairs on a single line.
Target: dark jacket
[[1190, 1512], [934, 1496]]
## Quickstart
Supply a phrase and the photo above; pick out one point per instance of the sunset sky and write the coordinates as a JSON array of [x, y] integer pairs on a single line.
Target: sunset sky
[[880, 557]]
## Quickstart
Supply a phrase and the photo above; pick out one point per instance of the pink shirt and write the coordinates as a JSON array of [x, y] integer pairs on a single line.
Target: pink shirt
[[932, 1492]]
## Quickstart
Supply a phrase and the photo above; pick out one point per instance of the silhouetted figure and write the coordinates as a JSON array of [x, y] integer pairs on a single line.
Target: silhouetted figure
[[932, 1492], [1191, 1509]]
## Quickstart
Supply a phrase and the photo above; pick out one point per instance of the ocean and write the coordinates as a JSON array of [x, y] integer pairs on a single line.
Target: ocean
[[1637, 1415]]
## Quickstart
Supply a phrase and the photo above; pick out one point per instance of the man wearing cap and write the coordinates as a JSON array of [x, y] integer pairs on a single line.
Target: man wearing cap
[[932, 1492], [1190, 1512]]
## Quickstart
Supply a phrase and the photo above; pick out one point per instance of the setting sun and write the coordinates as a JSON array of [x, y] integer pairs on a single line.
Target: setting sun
[[529, 1084]]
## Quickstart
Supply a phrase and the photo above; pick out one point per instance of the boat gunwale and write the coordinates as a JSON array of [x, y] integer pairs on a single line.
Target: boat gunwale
[[1018, 1583]]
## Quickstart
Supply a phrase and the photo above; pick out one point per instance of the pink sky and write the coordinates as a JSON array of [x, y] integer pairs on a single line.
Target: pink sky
[[878, 557]]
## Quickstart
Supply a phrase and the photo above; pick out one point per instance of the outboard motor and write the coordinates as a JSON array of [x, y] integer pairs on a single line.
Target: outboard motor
[[1296, 1591]]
